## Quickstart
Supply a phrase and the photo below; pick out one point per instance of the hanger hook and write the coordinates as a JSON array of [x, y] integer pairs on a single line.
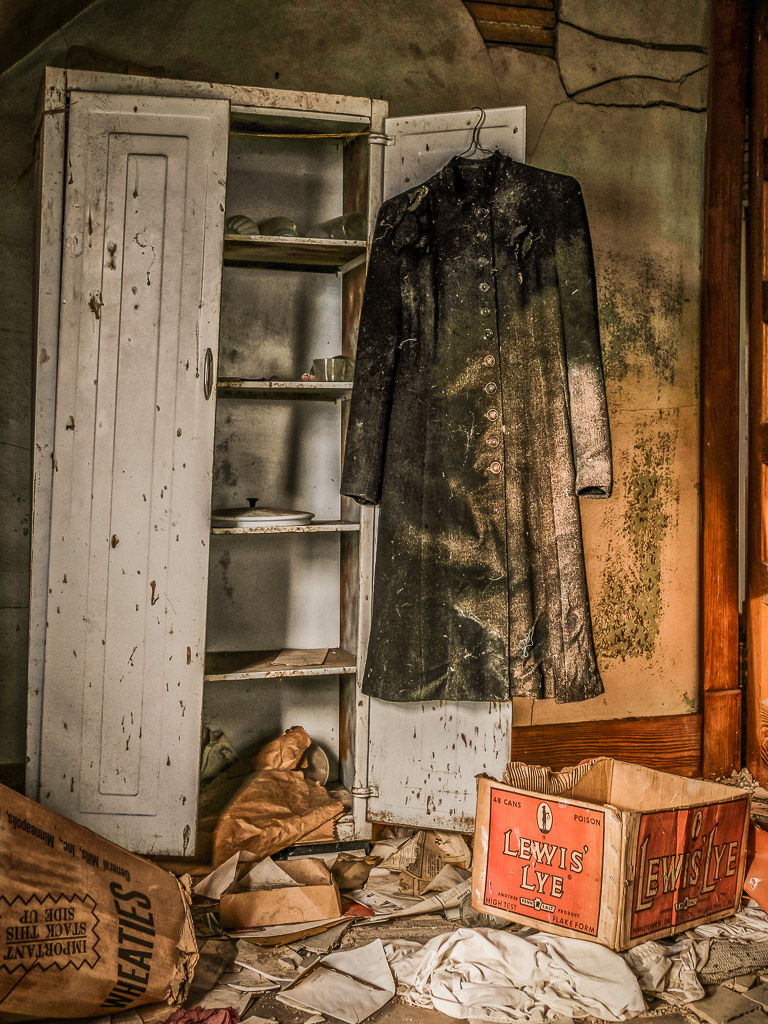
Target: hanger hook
[[474, 146], [478, 126]]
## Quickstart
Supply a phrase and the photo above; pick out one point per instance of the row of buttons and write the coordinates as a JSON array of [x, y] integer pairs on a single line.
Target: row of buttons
[[493, 440]]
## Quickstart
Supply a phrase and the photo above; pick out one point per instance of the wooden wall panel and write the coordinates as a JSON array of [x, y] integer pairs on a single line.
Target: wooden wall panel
[[757, 508], [720, 386], [670, 743]]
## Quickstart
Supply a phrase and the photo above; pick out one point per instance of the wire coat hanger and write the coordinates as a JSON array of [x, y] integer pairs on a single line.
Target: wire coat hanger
[[474, 148]]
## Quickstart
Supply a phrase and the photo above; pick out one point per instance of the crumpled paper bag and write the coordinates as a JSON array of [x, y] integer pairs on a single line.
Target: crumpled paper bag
[[274, 809]]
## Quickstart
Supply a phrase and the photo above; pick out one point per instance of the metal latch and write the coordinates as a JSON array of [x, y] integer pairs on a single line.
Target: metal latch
[[366, 792], [379, 139]]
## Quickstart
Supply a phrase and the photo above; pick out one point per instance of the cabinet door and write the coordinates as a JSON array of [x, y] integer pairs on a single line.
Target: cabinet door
[[133, 443], [429, 779]]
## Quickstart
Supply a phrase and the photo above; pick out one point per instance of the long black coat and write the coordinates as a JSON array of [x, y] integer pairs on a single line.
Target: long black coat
[[478, 418]]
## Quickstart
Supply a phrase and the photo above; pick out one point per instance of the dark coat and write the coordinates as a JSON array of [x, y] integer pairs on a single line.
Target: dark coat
[[478, 418]]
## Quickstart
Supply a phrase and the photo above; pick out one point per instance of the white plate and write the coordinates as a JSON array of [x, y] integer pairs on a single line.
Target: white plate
[[250, 517]]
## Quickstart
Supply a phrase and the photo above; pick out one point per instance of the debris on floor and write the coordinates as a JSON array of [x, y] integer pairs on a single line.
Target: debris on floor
[[312, 934]]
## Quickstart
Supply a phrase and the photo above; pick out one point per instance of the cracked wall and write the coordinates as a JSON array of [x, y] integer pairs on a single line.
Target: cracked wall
[[621, 108]]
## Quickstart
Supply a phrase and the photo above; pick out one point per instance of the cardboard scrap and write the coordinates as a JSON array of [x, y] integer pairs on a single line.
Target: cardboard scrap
[[424, 856], [756, 879], [308, 894], [299, 658], [349, 986], [214, 885], [435, 903], [265, 874], [282, 934]]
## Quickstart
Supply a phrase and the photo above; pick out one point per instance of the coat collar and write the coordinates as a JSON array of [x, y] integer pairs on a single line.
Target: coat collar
[[493, 172]]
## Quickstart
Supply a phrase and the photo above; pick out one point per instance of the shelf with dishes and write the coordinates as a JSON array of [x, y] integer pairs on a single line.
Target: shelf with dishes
[[318, 526], [221, 666]]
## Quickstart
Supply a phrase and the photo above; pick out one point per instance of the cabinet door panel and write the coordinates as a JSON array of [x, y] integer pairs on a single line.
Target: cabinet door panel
[[130, 517], [428, 780]]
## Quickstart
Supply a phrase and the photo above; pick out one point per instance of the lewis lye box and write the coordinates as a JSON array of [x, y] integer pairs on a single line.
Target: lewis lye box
[[608, 851]]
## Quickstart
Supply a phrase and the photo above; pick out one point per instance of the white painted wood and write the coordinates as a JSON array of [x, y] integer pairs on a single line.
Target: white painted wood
[[366, 550], [51, 154], [264, 101], [427, 777], [131, 494]]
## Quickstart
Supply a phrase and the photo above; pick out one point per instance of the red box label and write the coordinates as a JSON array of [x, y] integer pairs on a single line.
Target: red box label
[[545, 860], [687, 865]]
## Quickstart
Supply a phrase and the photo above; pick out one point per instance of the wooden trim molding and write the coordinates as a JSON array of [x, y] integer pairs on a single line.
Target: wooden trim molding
[[670, 743], [757, 502], [720, 334]]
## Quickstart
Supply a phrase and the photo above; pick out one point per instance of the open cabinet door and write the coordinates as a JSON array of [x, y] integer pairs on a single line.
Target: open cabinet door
[[119, 714], [448, 742]]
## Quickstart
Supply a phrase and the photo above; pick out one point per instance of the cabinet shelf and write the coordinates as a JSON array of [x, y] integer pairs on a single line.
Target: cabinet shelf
[[319, 254], [321, 526], [234, 387], [229, 665]]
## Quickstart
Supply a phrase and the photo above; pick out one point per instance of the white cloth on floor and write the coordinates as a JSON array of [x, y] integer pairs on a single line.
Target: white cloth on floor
[[670, 970], [485, 974]]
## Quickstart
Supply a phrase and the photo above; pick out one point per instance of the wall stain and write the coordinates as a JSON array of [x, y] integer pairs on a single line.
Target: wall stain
[[640, 319], [225, 561], [629, 607]]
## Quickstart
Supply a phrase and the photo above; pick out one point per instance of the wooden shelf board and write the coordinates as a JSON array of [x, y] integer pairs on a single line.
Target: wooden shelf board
[[223, 665], [315, 389], [321, 526], [307, 253]]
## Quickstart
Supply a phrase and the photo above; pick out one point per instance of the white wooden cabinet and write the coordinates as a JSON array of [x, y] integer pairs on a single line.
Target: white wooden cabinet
[[157, 335]]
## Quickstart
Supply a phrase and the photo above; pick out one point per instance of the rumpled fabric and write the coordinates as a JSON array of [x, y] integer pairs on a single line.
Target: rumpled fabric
[[486, 974], [670, 970]]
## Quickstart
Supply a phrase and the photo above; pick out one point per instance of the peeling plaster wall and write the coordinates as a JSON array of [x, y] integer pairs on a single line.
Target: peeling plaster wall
[[622, 109]]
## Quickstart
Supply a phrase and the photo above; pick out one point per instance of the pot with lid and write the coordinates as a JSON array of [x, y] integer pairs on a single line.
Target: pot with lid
[[254, 517]]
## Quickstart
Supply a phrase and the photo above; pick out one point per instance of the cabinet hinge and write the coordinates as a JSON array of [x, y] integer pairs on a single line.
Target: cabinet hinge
[[379, 139], [365, 791]]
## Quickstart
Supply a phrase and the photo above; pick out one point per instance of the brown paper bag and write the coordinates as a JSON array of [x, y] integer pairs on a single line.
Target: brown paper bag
[[284, 752], [86, 929], [274, 809]]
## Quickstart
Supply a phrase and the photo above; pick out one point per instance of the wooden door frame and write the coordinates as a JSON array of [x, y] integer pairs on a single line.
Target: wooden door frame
[[707, 743], [757, 507]]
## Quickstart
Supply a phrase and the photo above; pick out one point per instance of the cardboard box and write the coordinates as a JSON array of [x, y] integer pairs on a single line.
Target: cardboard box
[[314, 898], [756, 878], [608, 851]]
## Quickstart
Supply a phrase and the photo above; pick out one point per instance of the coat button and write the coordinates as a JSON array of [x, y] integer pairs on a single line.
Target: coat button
[[492, 441], [483, 261], [495, 467], [481, 236], [485, 311], [489, 360], [492, 414], [484, 286], [488, 335], [483, 211], [490, 388]]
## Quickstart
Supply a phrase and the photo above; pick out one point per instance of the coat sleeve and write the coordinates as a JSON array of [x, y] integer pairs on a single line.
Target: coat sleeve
[[377, 347], [590, 432]]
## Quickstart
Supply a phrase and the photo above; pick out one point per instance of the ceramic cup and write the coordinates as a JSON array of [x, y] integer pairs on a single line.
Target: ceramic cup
[[335, 368]]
